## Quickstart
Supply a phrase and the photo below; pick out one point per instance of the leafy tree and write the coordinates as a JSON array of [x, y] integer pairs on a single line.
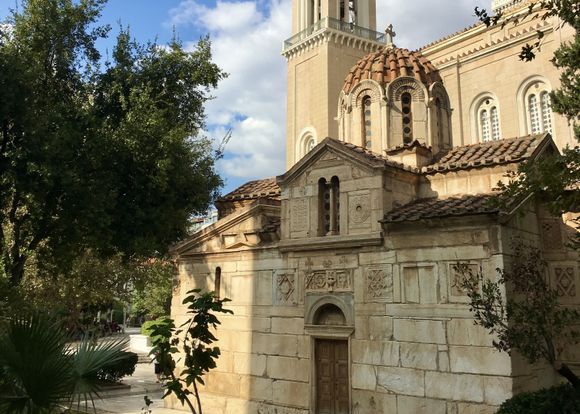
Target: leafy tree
[[193, 340], [100, 157], [151, 294], [39, 372], [530, 320]]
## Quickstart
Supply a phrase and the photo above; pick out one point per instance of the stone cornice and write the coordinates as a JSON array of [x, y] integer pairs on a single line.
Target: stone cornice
[[328, 35], [224, 224], [331, 242], [482, 50]]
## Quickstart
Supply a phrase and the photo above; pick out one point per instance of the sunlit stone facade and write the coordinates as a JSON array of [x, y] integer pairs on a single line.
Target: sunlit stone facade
[[341, 271]]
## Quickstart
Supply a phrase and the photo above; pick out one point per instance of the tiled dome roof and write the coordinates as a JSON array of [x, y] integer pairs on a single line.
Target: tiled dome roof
[[390, 63]]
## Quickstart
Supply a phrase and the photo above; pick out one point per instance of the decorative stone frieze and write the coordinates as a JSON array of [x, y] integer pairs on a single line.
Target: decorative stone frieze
[[328, 280]]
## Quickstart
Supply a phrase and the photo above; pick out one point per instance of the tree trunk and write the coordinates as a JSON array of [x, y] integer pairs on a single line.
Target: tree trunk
[[17, 272], [567, 373]]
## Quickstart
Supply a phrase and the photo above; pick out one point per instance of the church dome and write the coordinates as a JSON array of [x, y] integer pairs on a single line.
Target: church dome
[[390, 63]]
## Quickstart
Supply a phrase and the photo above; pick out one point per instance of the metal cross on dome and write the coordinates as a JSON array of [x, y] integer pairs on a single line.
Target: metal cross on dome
[[390, 34]]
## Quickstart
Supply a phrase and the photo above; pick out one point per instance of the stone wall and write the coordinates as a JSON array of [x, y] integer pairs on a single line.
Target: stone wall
[[413, 348]]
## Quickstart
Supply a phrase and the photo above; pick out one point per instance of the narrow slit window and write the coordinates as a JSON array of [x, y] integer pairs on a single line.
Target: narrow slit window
[[367, 122], [546, 111], [217, 281], [484, 122], [406, 108], [494, 123], [534, 114]]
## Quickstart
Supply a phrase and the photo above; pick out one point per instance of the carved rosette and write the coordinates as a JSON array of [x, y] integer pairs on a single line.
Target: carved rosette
[[359, 210]]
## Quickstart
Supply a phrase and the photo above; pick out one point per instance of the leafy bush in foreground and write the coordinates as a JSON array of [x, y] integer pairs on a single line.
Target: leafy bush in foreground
[[562, 399]]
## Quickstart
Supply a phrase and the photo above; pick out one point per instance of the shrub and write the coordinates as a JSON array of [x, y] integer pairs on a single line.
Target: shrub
[[146, 327], [562, 399], [121, 368]]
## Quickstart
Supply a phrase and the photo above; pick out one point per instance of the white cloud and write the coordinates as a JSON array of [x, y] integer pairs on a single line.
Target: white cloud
[[418, 22], [246, 43], [247, 39]]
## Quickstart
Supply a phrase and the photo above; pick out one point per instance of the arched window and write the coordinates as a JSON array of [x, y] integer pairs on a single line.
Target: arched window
[[367, 122], [309, 145], [217, 281], [305, 143], [406, 102], [488, 120], [538, 108], [328, 206], [335, 206]]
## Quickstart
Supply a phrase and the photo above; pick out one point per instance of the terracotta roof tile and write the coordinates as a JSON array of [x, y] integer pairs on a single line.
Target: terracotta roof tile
[[390, 63], [266, 188], [484, 154], [372, 156], [437, 208]]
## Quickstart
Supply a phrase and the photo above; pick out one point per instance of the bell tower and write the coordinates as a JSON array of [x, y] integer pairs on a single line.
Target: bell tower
[[328, 38]]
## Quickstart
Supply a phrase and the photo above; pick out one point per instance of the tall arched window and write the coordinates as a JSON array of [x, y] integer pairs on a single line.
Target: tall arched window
[[323, 207], [538, 108], [367, 122], [488, 120], [406, 102], [335, 206], [328, 206]]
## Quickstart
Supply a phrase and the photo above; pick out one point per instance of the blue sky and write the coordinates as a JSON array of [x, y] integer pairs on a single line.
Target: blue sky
[[247, 39]]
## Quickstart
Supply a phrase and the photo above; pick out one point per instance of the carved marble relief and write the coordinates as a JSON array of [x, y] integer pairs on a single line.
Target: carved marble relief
[[359, 210], [457, 275], [328, 280], [565, 281], [551, 234], [299, 214], [379, 284], [285, 289]]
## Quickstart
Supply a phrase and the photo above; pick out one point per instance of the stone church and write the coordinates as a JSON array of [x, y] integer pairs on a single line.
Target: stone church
[[341, 270]]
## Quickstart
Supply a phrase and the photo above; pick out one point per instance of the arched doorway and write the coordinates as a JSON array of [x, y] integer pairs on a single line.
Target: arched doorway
[[331, 365]]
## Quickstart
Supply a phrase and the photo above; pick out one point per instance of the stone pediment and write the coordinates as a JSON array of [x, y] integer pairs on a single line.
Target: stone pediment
[[332, 152], [255, 225]]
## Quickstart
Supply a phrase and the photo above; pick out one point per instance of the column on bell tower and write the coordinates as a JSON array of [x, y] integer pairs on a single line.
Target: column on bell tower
[[328, 38]]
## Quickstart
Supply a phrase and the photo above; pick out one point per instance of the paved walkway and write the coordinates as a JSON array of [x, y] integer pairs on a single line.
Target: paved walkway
[[131, 400]]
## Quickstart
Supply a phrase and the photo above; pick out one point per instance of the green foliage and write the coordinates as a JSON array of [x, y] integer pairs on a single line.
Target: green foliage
[[151, 295], [105, 158], [563, 399], [146, 328], [193, 340], [530, 321], [40, 372], [114, 372]]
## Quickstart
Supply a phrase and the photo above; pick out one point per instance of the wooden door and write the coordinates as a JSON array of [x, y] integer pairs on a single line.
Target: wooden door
[[332, 379]]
